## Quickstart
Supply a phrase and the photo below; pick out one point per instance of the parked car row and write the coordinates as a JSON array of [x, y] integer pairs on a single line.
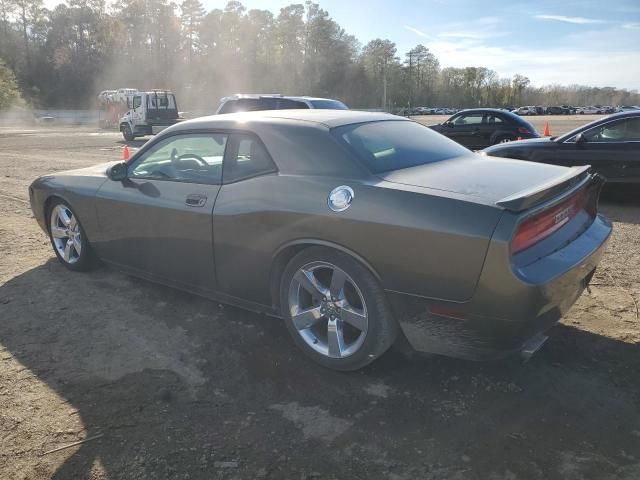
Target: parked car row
[[570, 110], [407, 112], [527, 110]]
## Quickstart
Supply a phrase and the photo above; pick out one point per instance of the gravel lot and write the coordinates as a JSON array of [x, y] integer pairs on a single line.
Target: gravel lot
[[180, 387]]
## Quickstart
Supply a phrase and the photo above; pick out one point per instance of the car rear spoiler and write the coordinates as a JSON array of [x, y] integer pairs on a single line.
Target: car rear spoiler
[[533, 196]]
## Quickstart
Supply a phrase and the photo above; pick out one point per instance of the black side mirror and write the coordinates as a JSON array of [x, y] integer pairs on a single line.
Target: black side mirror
[[448, 123], [580, 138], [117, 172]]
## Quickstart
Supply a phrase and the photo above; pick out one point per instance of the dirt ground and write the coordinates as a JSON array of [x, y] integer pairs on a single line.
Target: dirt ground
[[175, 386]]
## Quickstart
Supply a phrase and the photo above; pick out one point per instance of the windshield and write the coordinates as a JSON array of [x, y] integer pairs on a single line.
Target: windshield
[[329, 105], [392, 145]]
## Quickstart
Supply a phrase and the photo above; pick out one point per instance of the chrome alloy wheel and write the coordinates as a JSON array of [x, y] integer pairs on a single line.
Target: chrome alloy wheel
[[65, 232], [328, 310]]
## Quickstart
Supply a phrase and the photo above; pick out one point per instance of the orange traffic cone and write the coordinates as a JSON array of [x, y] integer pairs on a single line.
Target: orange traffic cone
[[125, 153], [547, 133]]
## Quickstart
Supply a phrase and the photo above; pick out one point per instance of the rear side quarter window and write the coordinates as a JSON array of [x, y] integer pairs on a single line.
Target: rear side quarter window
[[246, 157]]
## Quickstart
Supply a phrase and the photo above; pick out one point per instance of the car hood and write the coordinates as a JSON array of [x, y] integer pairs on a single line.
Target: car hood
[[489, 178], [99, 170], [538, 142]]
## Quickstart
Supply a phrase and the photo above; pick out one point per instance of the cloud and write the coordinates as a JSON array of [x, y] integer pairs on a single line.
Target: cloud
[[634, 25], [563, 64], [416, 31], [473, 35], [575, 20]]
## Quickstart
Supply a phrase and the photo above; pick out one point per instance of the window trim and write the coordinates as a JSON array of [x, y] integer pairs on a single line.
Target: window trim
[[572, 139], [138, 158], [482, 116], [233, 137]]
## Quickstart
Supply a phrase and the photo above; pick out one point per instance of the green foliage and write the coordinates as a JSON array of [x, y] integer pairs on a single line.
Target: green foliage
[[9, 93], [63, 57]]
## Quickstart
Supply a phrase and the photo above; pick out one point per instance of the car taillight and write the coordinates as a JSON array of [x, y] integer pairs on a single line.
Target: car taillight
[[524, 130], [543, 224]]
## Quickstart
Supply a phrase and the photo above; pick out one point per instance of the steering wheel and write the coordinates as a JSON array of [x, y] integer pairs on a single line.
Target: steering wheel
[[193, 156], [175, 159]]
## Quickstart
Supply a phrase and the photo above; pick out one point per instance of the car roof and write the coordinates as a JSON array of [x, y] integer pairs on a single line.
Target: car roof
[[504, 113], [488, 110], [327, 118], [272, 95]]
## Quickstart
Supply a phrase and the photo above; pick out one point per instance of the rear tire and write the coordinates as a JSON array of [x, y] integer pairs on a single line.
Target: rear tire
[[335, 309], [503, 139]]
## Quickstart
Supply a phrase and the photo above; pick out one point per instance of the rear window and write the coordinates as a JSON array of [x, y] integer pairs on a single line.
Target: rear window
[[396, 144], [287, 104], [249, 105], [329, 105]]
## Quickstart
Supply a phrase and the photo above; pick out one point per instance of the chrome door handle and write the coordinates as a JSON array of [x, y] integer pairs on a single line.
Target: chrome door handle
[[196, 200]]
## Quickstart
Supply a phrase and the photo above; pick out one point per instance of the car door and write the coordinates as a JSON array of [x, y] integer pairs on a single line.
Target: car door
[[612, 149], [137, 110], [491, 124], [158, 221], [466, 129], [244, 220]]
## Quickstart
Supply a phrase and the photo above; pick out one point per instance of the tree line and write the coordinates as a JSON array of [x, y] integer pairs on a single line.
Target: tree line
[[64, 56]]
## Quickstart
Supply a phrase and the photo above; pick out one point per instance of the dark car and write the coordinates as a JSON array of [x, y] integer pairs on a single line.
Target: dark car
[[557, 111], [255, 102], [480, 127], [355, 228], [611, 146]]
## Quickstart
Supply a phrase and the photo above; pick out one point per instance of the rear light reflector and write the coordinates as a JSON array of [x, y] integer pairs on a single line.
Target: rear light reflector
[[524, 130], [543, 224]]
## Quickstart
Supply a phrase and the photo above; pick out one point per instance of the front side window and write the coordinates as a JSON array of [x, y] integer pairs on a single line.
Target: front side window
[[246, 157], [626, 130], [192, 158], [469, 119], [137, 101], [395, 144]]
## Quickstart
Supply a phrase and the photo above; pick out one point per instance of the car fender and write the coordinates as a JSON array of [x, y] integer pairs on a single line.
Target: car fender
[[283, 254]]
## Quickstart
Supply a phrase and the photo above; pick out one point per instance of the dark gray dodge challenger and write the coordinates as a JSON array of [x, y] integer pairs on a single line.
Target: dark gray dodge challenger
[[358, 229]]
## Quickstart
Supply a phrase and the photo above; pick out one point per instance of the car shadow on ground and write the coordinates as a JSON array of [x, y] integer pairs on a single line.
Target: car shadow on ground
[[621, 203], [181, 387]]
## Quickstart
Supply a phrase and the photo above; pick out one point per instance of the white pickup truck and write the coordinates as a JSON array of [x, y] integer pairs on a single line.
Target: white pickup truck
[[149, 113]]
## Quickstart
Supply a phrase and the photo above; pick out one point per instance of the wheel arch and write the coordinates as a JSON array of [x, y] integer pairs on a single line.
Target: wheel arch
[[499, 134], [283, 255], [47, 207]]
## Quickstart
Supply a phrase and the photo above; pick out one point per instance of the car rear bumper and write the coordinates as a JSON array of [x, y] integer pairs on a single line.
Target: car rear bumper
[[506, 312]]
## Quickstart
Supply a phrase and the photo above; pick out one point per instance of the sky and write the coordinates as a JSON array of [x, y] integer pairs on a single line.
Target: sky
[[587, 42]]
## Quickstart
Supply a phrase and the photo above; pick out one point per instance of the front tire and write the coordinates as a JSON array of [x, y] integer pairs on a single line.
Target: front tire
[[68, 239], [127, 133], [335, 309]]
